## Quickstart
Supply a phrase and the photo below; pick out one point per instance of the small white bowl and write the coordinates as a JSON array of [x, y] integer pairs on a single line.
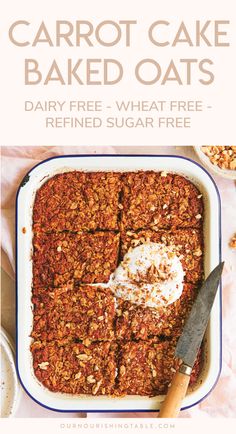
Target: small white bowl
[[9, 381], [225, 173]]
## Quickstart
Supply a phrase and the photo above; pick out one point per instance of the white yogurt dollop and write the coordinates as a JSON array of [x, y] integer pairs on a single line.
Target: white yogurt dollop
[[150, 274]]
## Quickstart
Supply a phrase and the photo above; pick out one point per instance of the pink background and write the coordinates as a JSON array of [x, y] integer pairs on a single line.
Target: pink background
[[16, 161]]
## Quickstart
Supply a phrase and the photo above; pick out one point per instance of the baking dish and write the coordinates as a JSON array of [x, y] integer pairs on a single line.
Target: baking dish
[[212, 236]]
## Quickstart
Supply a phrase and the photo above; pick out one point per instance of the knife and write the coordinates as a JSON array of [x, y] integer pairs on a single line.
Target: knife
[[190, 341]]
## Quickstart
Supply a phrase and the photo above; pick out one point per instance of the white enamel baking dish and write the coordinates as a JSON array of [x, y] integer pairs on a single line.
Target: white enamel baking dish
[[212, 234]]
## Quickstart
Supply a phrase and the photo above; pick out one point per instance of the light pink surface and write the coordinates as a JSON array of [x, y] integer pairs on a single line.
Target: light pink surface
[[16, 161]]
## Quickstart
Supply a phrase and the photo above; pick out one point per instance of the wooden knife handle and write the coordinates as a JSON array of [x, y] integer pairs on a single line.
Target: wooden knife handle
[[176, 393]]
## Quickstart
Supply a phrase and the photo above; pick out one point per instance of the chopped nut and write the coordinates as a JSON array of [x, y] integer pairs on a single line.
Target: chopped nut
[[43, 365], [232, 243], [59, 248], [73, 205], [91, 379], [84, 357], [119, 312], [197, 252], [78, 375], [96, 387], [135, 242], [198, 216], [87, 342], [90, 312], [122, 370], [232, 165]]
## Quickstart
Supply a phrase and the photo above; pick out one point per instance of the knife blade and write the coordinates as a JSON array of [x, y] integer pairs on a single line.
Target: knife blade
[[195, 326], [190, 341]]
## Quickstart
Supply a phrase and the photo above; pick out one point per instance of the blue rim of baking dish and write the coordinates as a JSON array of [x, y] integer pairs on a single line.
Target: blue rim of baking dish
[[22, 183]]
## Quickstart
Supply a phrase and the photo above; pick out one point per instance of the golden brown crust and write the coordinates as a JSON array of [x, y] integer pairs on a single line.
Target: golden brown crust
[[156, 201], [82, 335], [186, 204], [136, 322], [85, 313], [187, 243], [75, 368], [147, 368], [78, 201], [146, 200], [80, 257]]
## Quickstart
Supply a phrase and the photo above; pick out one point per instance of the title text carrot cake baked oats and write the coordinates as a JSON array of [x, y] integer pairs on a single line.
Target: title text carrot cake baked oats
[[117, 263]]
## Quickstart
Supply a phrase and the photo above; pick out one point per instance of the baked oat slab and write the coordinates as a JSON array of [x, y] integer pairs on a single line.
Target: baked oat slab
[[85, 313], [78, 201], [147, 368], [146, 200], [135, 322], [160, 200], [187, 243], [82, 257], [186, 205], [75, 368], [77, 221]]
